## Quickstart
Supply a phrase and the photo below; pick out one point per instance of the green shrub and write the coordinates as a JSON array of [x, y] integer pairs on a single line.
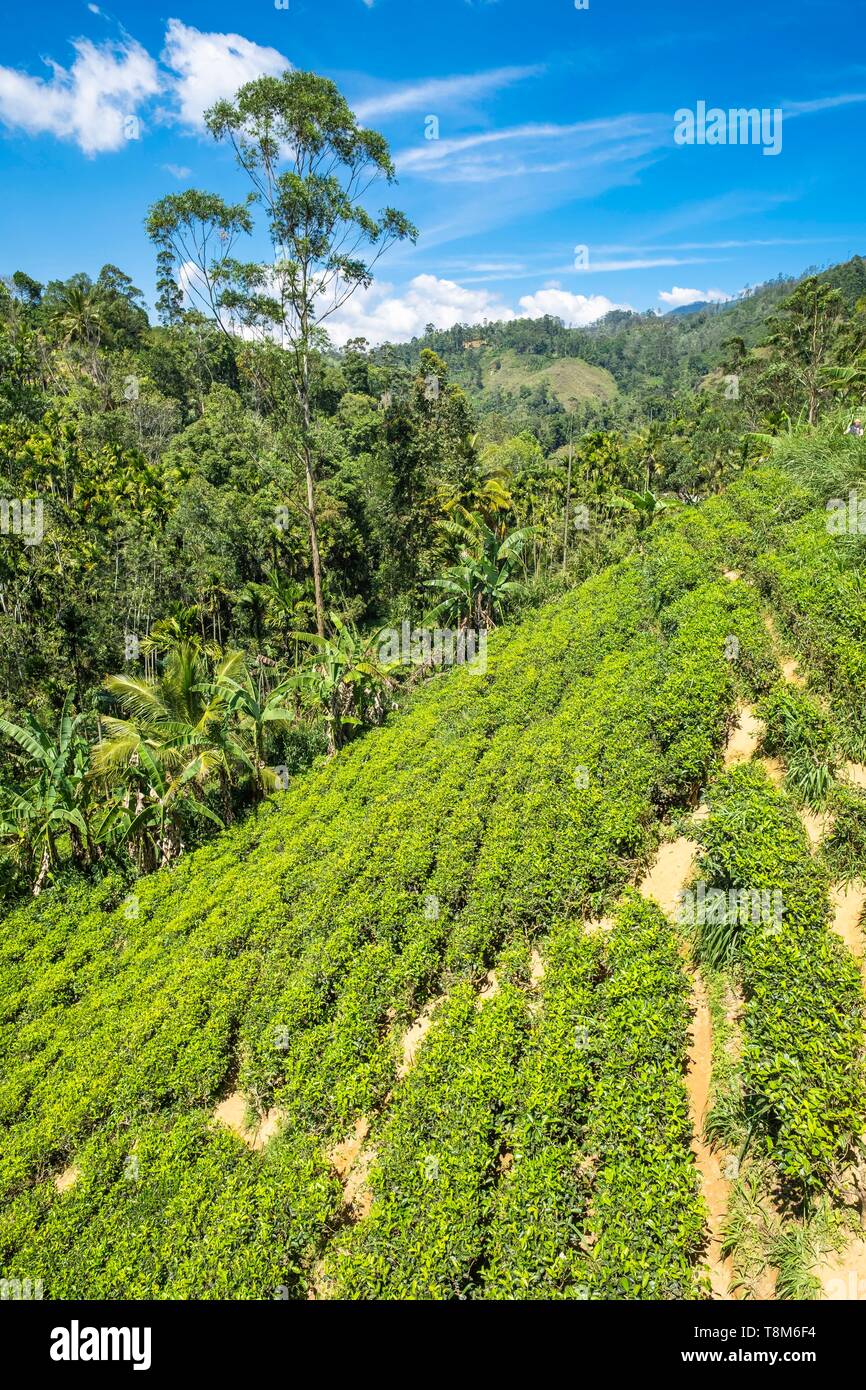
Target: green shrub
[[804, 1096]]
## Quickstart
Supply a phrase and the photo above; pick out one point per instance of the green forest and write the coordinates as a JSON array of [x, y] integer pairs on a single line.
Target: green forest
[[336, 964]]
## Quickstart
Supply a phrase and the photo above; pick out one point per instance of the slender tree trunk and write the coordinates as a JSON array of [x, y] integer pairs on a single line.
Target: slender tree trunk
[[43, 872], [314, 540], [568, 495]]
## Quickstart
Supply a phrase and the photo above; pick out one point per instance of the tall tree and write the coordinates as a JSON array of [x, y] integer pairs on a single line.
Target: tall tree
[[310, 166], [805, 335]]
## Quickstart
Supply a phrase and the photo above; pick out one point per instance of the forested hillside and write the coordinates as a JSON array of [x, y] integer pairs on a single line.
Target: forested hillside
[[506, 367]]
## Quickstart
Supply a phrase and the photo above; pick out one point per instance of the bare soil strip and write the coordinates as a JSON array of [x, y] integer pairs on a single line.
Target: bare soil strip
[[744, 737], [714, 1186], [816, 824], [849, 901], [536, 969], [232, 1113], [415, 1035], [488, 989], [68, 1178], [352, 1163], [664, 883], [669, 873]]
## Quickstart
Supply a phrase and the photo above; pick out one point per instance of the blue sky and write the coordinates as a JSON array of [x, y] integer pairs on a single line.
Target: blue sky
[[555, 130]]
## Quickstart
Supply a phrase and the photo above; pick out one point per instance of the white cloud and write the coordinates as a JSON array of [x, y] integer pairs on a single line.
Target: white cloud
[[108, 82], [678, 296], [88, 102], [434, 93], [575, 310], [380, 315], [212, 66], [178, 171]]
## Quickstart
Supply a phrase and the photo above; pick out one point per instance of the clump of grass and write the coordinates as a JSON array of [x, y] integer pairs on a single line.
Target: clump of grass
[[797, 1246], [750, 1229], [759, 1237], [851, 723], [825, 463], [798, 730], [844, 849], [809, 776]]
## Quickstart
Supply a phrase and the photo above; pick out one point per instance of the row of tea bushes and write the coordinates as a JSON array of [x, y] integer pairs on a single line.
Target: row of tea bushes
[[802, 1064], [646, 1225], [533, 1248], [174, 1207]]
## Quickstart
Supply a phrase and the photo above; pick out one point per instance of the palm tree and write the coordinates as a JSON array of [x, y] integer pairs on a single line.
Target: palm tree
[[57, 801], [283, 603], [487, 492], [478, 587], [180, 720], [254, 710], [345, 682], [180, 627], [79, 316]]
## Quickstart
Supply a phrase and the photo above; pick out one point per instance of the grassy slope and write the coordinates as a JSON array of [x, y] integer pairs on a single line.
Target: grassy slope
[[569, 378]]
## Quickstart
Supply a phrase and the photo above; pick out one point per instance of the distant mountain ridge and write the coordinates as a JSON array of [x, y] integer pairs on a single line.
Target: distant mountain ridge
[[694, 308]]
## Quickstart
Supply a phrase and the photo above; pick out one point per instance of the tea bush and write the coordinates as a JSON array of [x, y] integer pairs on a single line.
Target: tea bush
[[803, 1058]]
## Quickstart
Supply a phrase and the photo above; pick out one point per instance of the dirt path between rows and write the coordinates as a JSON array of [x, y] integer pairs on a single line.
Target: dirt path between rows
[[714, 1186], [664, 882]]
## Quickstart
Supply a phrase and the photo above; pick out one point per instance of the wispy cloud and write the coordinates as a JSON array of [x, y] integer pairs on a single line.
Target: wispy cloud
[[488, 154], [732, 245], [593, 267], [810, 108], [437, 93]]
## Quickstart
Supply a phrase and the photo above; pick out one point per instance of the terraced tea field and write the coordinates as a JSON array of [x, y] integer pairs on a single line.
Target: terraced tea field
[[434, 1023]]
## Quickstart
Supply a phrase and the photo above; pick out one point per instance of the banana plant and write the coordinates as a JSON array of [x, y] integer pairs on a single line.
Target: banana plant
[[37, 813], [479, 586], [645, 506], [343, 680]]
